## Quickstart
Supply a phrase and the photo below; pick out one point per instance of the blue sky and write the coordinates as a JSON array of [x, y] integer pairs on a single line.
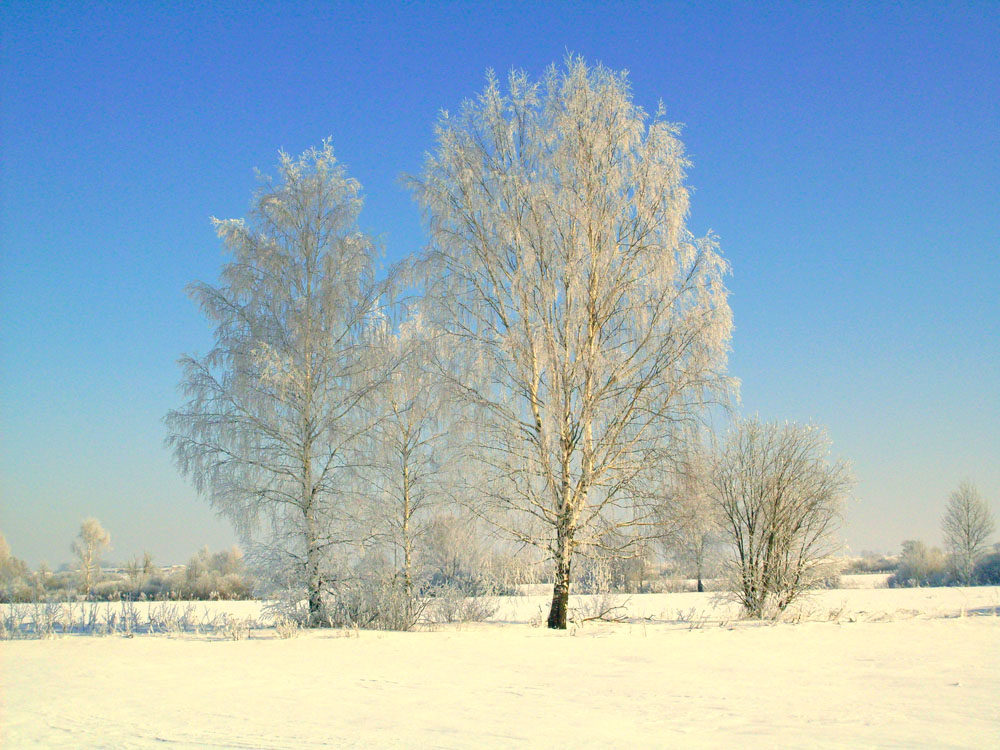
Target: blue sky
[[847, 154]]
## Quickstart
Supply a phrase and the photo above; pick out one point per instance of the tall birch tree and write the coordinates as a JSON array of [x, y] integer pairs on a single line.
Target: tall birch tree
[[270, 426], [594, 324]]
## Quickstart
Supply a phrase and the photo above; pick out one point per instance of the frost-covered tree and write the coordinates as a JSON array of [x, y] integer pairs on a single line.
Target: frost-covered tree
[[88, 546], [594, 325], [967, 525], [691, 531], [269, 431], [780, 499], [410, 445], [15, 577]]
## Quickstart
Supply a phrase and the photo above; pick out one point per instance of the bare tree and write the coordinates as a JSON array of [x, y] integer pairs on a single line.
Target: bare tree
[[780, 499], [594, 324], [691, 530], [88, 546], [270, 427], [966, 526], [410, 445]]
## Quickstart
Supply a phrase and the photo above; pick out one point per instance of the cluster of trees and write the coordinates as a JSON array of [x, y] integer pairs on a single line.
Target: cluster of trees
[[219, 575], [543, 371], [967, 558]]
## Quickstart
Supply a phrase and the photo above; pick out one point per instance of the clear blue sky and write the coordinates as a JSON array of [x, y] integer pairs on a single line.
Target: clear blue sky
[[848, 155]]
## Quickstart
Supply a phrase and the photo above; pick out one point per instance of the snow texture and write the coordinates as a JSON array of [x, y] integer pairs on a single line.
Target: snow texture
[[864, 668]]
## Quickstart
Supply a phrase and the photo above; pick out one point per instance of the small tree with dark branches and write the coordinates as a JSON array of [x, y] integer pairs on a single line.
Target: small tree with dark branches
[[780, 499]]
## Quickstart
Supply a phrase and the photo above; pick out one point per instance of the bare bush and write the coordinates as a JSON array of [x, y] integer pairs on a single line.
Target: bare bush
[[236, 628], [452, 605], [780, 499], [286, 627], [373, 601], [920, 565]]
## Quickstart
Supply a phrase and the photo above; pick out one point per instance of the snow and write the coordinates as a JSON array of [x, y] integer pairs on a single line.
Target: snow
[[879, 667]]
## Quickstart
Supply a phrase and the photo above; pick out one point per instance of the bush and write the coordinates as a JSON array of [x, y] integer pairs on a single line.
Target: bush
[[869, 562], [987, 572], [452, 605], [17, 584], [920, 565], [780, 499], [373, 602]]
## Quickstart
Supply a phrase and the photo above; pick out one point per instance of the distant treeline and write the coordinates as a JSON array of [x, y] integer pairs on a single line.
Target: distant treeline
[[208, 575], [224, 574], [920, 565]]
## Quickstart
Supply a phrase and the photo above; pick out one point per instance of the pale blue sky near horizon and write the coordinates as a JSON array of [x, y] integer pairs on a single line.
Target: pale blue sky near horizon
[[847, 155]]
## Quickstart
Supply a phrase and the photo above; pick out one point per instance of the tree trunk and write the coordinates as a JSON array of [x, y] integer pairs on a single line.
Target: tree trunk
[[314, 582], [314, 585], [560, 590], [407, 562]]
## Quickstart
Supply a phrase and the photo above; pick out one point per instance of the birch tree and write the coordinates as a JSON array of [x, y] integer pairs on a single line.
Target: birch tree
[[411, 445], [593, 323], [967, 524], [273, 414]]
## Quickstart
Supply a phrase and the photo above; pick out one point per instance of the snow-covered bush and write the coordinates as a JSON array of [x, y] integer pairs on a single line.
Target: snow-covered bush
[[451, 605], [920, 565]]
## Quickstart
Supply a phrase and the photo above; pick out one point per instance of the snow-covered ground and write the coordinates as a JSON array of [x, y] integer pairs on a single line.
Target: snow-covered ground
[[863, 668]]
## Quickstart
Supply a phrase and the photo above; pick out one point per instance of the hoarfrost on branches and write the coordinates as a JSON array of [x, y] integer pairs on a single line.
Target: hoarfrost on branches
[[595, 326], [780, 498], [411, 446], [88, 546], [270, 428]]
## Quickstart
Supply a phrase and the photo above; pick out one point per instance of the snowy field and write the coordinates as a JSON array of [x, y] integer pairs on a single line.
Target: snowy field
[[899, 668]]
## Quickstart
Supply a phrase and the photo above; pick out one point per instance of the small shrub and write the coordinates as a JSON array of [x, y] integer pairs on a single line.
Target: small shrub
[[450, 604], [236, 628], [286, 627]]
